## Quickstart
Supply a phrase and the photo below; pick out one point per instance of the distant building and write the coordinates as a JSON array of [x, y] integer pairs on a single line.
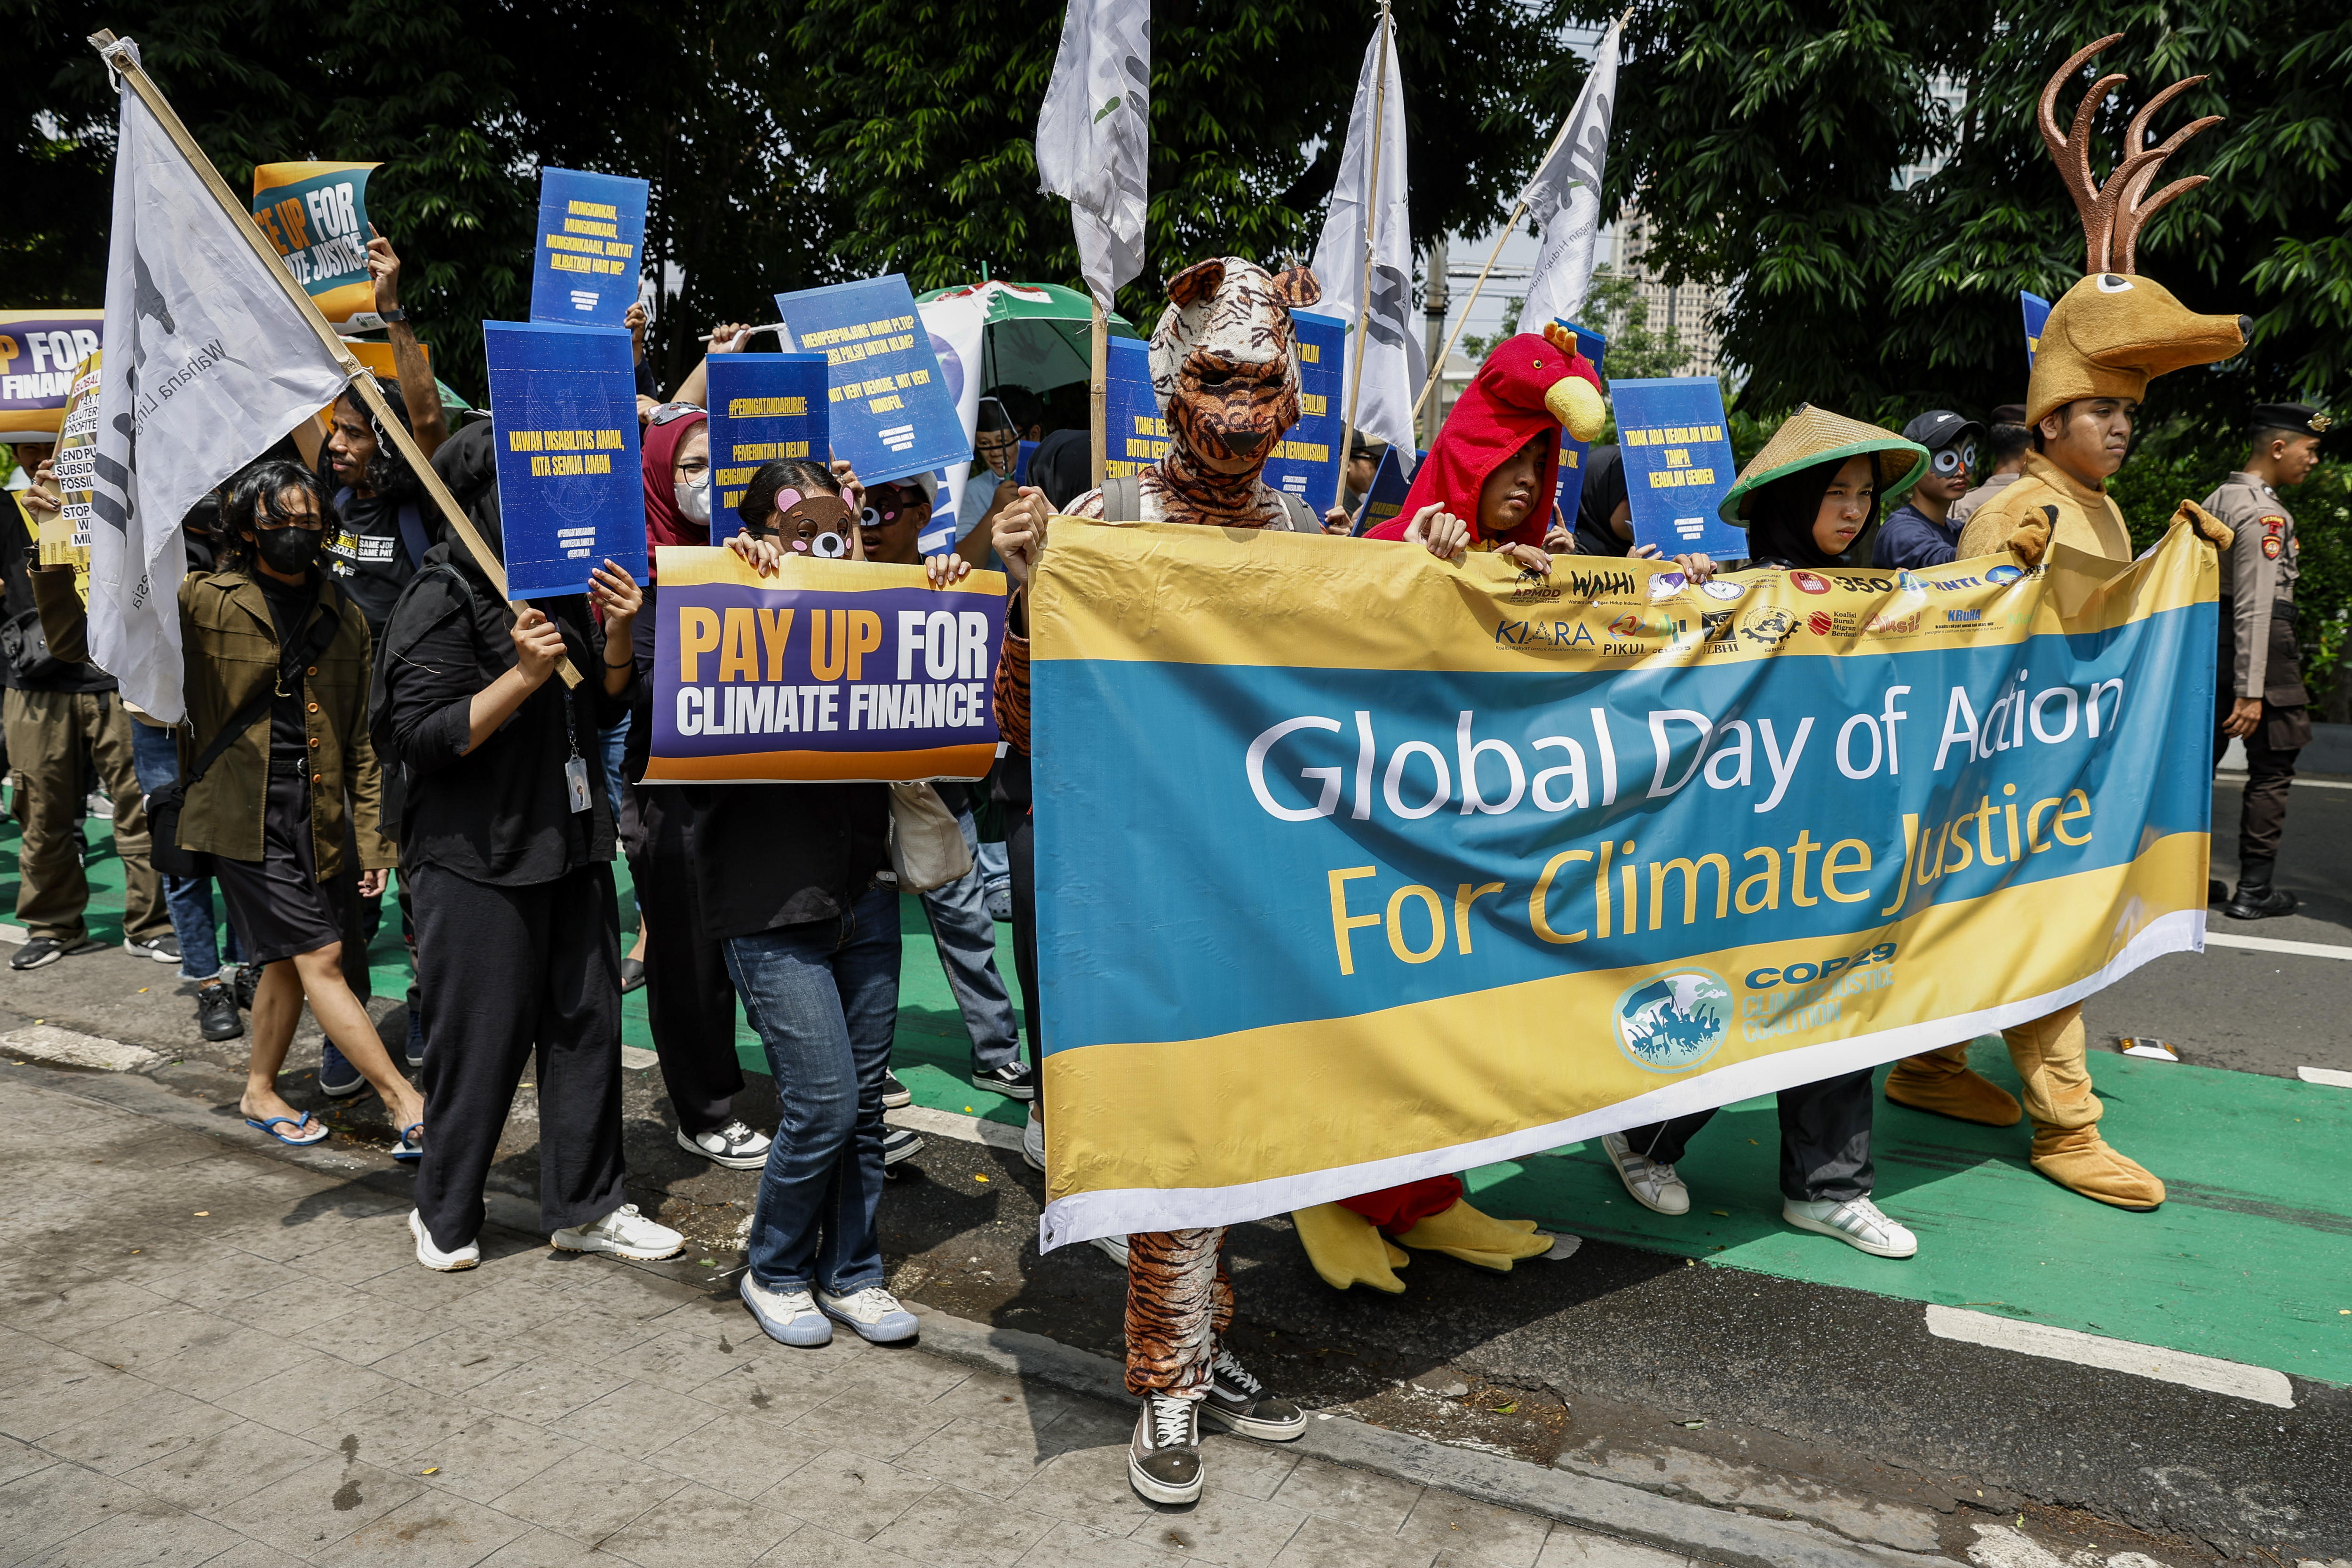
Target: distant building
[[1690, 309]]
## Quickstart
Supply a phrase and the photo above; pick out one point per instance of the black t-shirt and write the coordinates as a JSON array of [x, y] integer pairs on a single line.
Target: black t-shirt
[[289, 606], [371, 556]]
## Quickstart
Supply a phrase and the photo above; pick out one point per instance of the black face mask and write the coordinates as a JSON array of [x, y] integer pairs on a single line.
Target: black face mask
[[288, 549]]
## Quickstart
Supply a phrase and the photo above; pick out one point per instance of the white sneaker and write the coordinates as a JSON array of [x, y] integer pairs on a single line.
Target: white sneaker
[[1112, 1246], [873, 1314], [1857, 1222], [1033, 1141], [625, 1233], [735, 1146], [1654, 1185], [788, 1317], [433, 1257]]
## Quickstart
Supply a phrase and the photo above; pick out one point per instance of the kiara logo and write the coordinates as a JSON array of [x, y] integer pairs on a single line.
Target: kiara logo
[[1674, 1022], [1963, 617]]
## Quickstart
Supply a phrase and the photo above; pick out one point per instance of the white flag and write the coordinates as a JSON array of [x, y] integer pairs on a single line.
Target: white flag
[[958, 325], [207, 364], [1094, 136], [1564, 198], [1394, 362]]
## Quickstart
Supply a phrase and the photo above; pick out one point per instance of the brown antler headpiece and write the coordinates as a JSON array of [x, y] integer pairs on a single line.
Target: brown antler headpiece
[[2113, 213]]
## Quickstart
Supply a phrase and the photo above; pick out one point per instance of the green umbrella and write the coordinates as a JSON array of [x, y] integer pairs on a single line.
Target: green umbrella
[[1036, 332]]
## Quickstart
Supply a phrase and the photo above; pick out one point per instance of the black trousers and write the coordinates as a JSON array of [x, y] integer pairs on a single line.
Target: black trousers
[[2270, 774], [514, 977], [1824, 1139], [689, 1000]]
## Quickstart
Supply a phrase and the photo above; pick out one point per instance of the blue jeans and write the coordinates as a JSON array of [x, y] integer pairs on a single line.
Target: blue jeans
[[156, 758], [825, 998], [965, 934], [616, 744]]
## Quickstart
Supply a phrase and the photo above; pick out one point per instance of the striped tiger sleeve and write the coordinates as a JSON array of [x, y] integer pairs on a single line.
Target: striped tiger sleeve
[[1012, 693]]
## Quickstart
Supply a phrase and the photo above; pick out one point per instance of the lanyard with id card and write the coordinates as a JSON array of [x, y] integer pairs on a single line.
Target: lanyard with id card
[[575, 772]]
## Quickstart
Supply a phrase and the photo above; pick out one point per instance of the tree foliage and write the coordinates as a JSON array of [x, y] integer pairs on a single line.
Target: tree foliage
[[1767, 139]]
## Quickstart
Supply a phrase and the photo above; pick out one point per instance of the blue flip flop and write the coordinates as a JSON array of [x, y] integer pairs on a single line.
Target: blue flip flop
[[271, 1124], [404, 1149]]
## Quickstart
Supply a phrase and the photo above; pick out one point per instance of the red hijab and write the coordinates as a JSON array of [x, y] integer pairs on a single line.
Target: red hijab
[[665, 524], [1500, 412]]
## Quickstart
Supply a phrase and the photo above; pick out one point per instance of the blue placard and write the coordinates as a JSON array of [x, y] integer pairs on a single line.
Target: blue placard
[[2037, 313], [1021, 462], [1678, 464], [1306, 464], [1573, 452], [762, 406], [1390, 484], [591, 232], [563, 418], [1134, 432], [892, 412]]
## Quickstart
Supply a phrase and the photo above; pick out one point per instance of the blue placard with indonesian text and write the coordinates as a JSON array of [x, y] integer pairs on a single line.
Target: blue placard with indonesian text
[[2037, 311], [563, 417], [1306, 465], [1135, 434], [891, 413], [592, 231], [763, 408], [1678, 464]]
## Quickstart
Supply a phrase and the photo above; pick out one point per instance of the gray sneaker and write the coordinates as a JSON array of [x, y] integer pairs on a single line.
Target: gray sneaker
[[1163, 1458], [1239, 1403]]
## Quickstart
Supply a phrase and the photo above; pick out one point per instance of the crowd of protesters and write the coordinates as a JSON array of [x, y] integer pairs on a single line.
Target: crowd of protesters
[[361, 699]]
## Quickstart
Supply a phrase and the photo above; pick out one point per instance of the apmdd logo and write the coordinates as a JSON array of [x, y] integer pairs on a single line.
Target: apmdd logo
[[1674, 1022]]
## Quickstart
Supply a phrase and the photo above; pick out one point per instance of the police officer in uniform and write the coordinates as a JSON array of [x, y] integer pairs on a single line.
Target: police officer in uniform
[[2258, 691]]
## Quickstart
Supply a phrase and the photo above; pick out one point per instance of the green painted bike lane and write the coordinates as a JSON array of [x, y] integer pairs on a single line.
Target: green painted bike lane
[[2250, 1260]]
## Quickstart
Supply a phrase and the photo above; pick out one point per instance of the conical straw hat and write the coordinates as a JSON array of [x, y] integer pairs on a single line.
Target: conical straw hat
[[1814, 435]]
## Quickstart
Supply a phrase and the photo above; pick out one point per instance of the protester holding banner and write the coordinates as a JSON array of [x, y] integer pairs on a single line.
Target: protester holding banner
[[689, 1001], [507, 837], [53, 710], [1808, 500], [1603, 524]]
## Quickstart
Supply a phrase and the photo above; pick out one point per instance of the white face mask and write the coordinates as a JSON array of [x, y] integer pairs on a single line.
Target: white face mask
[[694, 501]]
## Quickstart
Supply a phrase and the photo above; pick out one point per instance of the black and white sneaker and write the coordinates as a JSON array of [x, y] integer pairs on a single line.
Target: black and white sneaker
[[735, 1146], [164, 949], [1163, 1458], [46, 950], [899, 1144], [895, 1094], [1239, 1403], [1015, 1080]]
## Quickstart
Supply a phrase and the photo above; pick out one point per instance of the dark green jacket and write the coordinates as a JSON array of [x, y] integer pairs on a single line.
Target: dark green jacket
[[231, 650]]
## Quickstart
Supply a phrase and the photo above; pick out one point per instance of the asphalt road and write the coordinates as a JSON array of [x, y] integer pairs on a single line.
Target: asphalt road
[[1722, 1383]]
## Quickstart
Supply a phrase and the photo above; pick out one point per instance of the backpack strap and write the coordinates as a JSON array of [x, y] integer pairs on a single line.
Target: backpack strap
[[1301, 517], [290, 676], [412, 534]]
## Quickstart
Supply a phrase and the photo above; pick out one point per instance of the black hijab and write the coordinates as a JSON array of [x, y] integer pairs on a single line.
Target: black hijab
[[1604, 490], [1781, 516]]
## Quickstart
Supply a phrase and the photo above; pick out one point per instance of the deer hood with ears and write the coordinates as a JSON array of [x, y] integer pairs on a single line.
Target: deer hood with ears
[[2110, 333]]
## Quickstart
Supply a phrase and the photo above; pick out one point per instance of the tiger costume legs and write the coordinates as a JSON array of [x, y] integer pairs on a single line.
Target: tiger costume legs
[[1180, 1303]]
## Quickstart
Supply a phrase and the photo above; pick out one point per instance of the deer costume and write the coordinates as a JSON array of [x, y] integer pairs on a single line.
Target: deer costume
[[2105, 338]]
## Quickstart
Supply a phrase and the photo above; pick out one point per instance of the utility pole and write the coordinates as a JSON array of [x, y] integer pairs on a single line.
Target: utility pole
[[1433, 302]]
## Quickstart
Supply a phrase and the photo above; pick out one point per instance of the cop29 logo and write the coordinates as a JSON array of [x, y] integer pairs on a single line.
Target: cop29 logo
[[1674, 1022]]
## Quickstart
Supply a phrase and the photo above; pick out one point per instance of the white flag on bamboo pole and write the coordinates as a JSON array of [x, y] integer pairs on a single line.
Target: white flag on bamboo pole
[[207, 364], [1094, 136], [1393, 359], [1564, 197]]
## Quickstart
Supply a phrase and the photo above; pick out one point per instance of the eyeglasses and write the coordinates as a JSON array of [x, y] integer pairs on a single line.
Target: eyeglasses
[[694, 470]]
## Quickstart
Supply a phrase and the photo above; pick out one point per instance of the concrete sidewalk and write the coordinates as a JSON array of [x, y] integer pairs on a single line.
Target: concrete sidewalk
[[212, 1355]]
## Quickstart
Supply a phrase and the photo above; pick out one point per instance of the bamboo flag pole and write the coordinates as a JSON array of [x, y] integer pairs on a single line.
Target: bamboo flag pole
[[1364, 298], [1098, 388], [130, 70], [1437, 370]]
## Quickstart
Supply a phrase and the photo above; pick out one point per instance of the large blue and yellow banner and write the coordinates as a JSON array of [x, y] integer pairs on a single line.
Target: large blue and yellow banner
[[1355, 866]]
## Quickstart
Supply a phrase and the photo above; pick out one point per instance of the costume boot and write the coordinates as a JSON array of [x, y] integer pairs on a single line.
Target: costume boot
[[2255, 898], [1463, 1232], [1942, 1081], [1347, 1249], [2051, 1056]]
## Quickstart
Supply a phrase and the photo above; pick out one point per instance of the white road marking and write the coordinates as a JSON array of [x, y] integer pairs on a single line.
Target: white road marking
[[948, 1124], [51, 1043], [2259, 1384], [2300, 782], [2275, 944], [637, 1058], [16, 935], [2334, 1077]]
